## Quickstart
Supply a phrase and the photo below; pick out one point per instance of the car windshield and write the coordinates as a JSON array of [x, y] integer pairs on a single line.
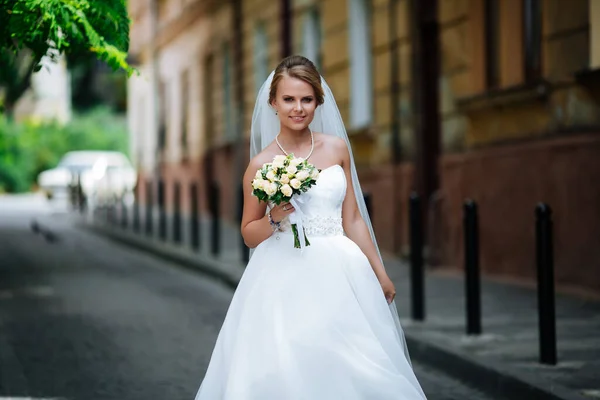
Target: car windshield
[[85, 160]]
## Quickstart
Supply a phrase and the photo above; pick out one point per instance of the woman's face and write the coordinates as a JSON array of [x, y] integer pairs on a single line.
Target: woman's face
[[295, 103]]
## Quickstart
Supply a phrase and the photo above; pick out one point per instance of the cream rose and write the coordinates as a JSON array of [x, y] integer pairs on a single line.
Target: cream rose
[[284, 179], [296, 161], [258, 174], [257, 183], [270, 188], [302, 175], [291, 170], [271, 175], [279, 161], [295, 183], [314, 174], [287, 190]]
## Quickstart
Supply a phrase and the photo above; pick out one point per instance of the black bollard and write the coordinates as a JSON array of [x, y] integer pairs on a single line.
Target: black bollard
[[472, 281], [243, 247], [195, 220], [162, 213], [136, 212], [215, 232], [417, 281], [545, 281], [80, 195], [124, 213], [177, 213], [149, 225]]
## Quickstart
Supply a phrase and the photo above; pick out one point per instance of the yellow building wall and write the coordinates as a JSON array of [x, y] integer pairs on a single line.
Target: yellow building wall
[[475, 117]]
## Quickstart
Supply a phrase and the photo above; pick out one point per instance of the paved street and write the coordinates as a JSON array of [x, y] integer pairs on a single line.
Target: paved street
[[82, 317]]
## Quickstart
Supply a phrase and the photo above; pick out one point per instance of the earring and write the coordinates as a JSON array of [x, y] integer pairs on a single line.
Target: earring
[[275, 112]]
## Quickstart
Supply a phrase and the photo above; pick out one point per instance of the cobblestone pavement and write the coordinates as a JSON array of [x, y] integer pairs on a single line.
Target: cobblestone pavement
[[84, 318]]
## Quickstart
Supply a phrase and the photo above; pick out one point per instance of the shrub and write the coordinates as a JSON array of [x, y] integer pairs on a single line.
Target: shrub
[[27, 148]]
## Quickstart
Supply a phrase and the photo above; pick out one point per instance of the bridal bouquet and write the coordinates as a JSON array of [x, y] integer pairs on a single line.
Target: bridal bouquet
[[280, 180]]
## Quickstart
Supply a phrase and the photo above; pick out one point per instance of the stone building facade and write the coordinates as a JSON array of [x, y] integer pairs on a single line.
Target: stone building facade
[[502, 109]]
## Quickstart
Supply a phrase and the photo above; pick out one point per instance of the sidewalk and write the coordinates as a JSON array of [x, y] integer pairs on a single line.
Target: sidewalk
[[503, 361]]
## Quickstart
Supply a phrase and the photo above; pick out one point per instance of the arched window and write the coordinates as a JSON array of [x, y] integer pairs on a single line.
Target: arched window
[[361, 84], [311, 37], [261, 56]]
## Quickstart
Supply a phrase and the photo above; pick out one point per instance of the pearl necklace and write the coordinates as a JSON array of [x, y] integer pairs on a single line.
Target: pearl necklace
[[312, 144]]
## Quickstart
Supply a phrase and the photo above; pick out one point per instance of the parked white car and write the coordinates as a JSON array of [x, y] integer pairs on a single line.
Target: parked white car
[[104, 175]]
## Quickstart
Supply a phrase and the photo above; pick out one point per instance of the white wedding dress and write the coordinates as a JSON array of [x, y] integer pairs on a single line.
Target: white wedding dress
[[311, 325]]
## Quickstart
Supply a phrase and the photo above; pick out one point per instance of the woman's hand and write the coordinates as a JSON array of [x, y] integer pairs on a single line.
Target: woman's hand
[[278, 213], [388, 288]]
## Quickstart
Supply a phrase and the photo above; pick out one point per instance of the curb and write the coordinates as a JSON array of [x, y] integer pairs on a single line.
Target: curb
[[493, 379], [230, 275], [490, 378]]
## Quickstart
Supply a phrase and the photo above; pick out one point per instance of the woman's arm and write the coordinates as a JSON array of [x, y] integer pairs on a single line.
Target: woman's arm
[[356, 229], [255, 226]]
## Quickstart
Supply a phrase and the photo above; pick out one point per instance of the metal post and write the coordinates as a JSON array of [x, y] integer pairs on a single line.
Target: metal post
[[149, 207], [162, 214], [80, 195], [214, 199], [545, 278], [124, 213], [417, 281], [195, 220], [136, 212], [472, 281], [177, 213], [244, 248]]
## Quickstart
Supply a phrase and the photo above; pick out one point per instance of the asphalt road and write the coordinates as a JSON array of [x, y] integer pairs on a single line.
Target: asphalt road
[[82, 317]]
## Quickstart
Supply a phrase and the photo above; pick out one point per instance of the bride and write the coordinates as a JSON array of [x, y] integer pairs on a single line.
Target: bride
[[317, 323]]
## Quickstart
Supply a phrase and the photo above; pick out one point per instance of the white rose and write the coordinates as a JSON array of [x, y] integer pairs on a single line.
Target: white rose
[[314, 174], [296, 161], [279, 161], [302, 175], [270, 188], [271, 175], [287, 190], [258, 174], [257, 183], [284, 178], [295, 183], [291, 170]]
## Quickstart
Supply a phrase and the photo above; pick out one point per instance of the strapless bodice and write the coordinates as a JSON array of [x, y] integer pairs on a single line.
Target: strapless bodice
[[322, 204]]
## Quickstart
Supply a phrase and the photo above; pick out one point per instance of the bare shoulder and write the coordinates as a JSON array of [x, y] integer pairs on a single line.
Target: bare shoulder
[[330, 141], [333, 144]]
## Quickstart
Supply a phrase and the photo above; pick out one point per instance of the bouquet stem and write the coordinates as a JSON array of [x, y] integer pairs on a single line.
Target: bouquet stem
[[297, 237]]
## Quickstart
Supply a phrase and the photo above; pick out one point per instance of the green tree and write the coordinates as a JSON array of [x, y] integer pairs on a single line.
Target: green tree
[[33, 29]]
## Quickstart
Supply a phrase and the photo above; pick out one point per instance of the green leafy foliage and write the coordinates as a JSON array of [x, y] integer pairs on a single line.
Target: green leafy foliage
[[52, 27], [28, 148]]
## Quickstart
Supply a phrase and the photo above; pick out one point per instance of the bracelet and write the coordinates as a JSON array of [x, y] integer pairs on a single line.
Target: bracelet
[[274, 225]]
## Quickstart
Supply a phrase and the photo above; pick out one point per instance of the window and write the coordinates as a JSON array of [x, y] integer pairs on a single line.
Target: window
[[492, 44], [261, 56], [228, 113], [208, 95], [361, 84], [185, 103], [311, 37], [532, 32]]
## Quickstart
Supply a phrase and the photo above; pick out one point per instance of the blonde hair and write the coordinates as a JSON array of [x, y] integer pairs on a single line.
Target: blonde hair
[[300, 68]]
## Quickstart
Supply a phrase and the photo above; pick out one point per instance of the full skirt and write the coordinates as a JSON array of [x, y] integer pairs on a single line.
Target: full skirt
[[309, 325]]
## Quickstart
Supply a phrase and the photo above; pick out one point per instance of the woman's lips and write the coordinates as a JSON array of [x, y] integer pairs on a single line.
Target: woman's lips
[[297, 119]]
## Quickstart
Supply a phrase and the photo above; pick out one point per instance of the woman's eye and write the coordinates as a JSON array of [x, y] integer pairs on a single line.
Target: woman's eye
[[308, 100], [288, 99]]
